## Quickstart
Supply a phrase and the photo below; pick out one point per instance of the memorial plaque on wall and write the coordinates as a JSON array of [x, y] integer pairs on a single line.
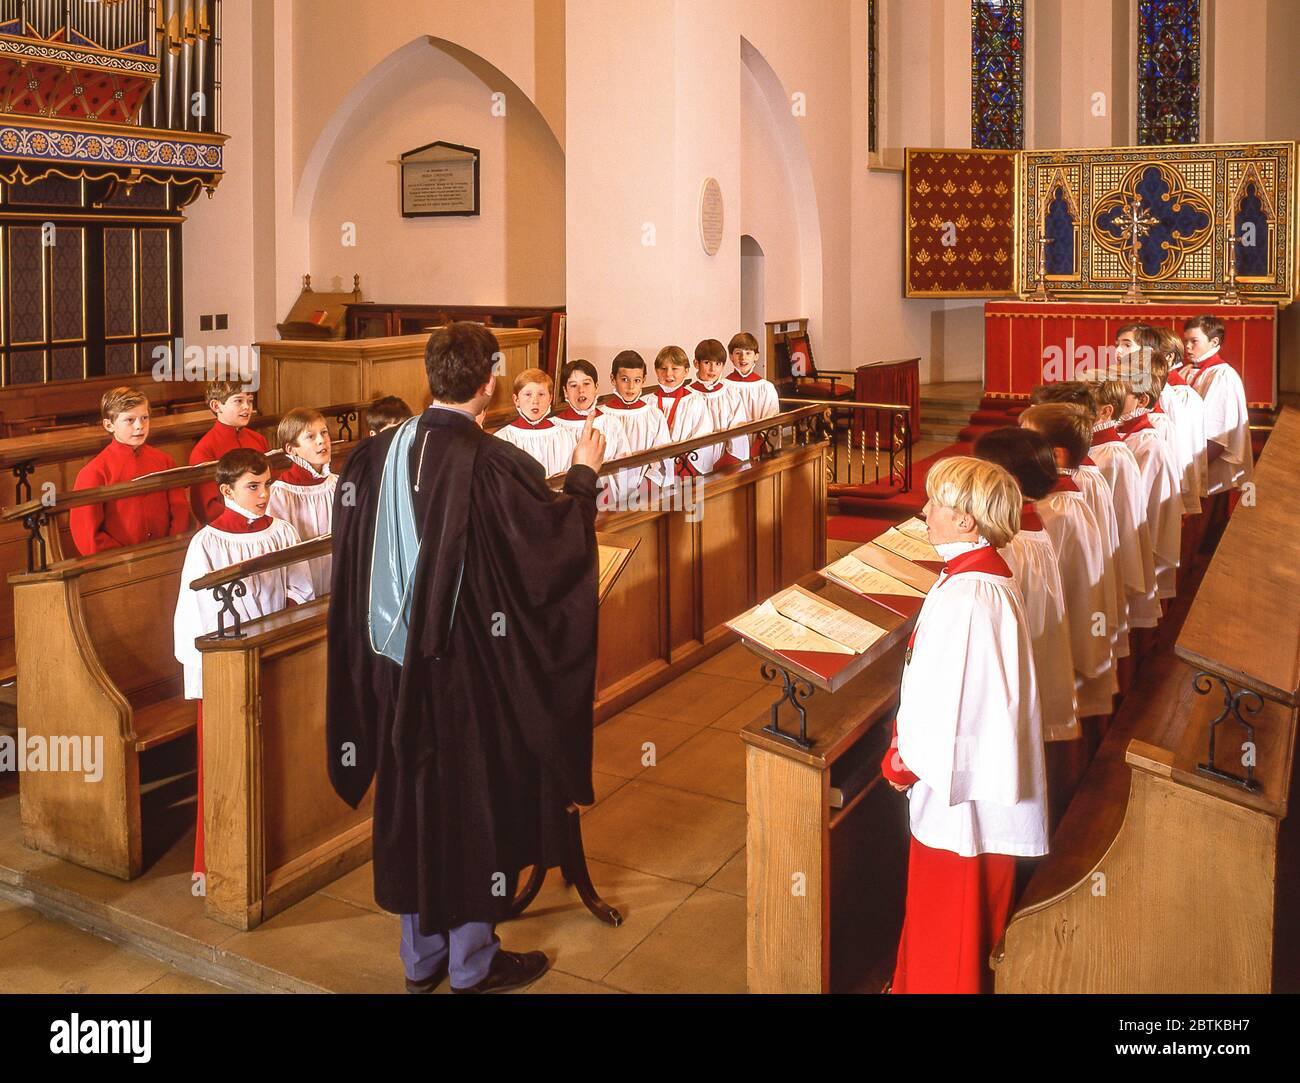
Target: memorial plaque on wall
[[439, 179]]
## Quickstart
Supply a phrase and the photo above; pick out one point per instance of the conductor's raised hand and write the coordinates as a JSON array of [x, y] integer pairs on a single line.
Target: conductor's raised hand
[[590, 449]]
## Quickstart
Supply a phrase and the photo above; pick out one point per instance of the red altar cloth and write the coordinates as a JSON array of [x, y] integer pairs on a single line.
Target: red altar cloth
[[1019, 334], [887, 381]]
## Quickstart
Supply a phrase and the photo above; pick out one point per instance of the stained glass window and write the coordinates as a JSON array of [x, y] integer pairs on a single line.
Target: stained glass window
[[1169, 71], [997, 49]]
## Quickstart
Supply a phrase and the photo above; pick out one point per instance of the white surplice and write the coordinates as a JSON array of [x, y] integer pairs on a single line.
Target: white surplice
[[308, 509], [1115, 460], [613, 487], [688, 418], [1227, 422], [758, 399], [644, 427], [726, 412], [1186, 413], [1096, 491], [550, 444], [1164, 504], [970, 722], [1032, 559], [265, 593], [1077, 541]]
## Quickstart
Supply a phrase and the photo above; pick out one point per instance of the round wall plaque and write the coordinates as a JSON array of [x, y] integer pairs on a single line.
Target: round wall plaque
[[711, 215]]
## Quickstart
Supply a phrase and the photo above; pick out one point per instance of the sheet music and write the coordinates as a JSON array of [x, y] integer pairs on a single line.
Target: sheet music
[[895, 541], [882, 560], [764, 625], [915, 528], [828, 620], [851, 573]]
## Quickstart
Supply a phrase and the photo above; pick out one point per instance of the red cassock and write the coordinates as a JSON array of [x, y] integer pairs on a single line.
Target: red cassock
[[133, 519], [205, 496], [969, 744]]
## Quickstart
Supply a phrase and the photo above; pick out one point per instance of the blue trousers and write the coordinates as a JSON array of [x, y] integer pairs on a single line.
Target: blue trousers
[[471, 948]]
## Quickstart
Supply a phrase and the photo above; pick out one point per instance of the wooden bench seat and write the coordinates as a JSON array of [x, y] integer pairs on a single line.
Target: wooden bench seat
[[164, 721]]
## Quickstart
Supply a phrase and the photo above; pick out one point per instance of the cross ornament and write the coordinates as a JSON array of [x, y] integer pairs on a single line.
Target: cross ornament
[[1137, 225]]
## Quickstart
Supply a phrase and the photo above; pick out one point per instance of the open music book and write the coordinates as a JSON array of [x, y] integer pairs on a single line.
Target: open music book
[[798, 620], [853, 574], [908, 545]]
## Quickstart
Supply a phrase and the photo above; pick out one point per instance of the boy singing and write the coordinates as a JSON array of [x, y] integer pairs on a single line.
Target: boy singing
[[232, 403]]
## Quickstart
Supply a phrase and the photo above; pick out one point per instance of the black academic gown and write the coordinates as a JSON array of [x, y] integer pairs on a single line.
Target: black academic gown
[[481, 739]]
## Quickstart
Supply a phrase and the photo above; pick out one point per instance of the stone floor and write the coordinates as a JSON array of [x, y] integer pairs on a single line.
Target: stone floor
[[665, 842]]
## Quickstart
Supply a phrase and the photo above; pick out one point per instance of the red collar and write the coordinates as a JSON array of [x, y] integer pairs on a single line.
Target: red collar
[[1135, 424], [296, 475], [682, 389], [1176, 377], [673, 396], [705, 389], [617, 403], [753, 377], [570, 414], [984, 559], [1217, 359], [1087, 461], [1064, 484], [233, 522], [122, 453], [524, 423], [1029, 519], [1157, 409], [1105, 436]]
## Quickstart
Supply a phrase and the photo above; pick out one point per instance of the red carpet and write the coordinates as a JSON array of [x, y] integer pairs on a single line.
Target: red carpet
[[876, 499]]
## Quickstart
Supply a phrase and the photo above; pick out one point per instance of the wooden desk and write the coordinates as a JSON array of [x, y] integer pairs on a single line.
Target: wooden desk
[[295, 372], [826, 844]]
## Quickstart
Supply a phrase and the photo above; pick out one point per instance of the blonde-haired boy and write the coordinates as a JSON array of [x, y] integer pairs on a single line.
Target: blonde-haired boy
[[968, 746], [304, 494], [133, 519], [533, 431]]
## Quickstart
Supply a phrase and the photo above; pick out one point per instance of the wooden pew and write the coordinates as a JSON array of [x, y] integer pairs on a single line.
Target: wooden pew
[[274, 830], [55, 459], [94, 646], [1164, 878]]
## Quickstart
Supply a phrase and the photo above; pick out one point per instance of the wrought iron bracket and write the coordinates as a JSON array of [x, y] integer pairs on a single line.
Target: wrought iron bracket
[[1234, 703], [795, 689], [344, 419], [23, 487], [36, 541], [225, 594]]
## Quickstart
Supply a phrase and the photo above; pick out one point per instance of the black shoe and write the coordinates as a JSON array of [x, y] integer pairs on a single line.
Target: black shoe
[[429, 984], [510, 970]]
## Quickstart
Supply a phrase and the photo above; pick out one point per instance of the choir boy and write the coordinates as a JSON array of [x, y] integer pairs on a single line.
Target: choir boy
[[1159, 479], [1186, 413], [1071, 525], [757, 396], [686, 412], [1115, 460], [1137, 347], [133, 519], [242, 531], [533, 431], [969, 740], [1027, 456], [644, 425], [232, 403], [303, 495], [384, 413], [579, 381], [1230, 462], [723, 401], [1123, 563]]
